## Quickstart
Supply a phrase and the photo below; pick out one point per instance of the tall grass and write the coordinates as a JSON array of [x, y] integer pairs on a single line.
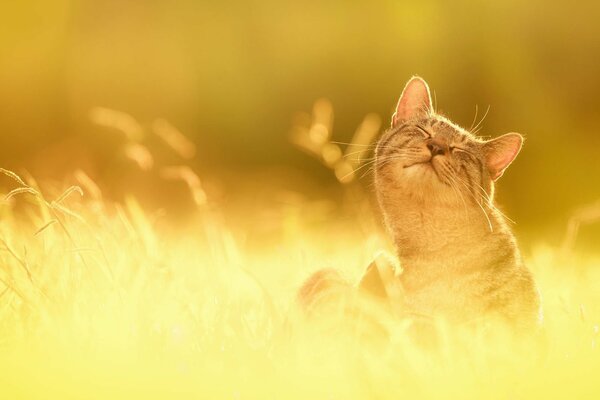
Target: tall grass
[[103, 304], [99, 300]]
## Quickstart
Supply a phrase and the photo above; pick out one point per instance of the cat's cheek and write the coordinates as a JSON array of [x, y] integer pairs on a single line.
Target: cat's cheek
[[395, 173], [386, 172]]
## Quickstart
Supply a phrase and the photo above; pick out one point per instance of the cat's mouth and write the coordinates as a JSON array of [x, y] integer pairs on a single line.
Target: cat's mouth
[[427, 164]]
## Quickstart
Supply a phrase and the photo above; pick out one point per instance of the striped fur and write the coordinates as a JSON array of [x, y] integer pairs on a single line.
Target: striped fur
[[435, 185]]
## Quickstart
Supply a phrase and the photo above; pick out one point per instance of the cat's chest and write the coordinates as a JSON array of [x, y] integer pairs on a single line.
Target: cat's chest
[[446, 289]]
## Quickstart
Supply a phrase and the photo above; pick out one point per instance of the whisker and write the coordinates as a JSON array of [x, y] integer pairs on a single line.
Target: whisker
[[457, 190], [356, 152], [482, 118], [474, 118], [490, 202], [370, 164], [383, 160], [487, 217], [354, 171], [354, 144], [366, 172]]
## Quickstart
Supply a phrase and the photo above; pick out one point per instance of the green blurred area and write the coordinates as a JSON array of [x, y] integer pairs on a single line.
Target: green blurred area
[[232, 74]]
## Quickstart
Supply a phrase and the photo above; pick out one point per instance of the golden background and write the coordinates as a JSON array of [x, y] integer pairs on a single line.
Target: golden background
[[231, 75], [202, 137]]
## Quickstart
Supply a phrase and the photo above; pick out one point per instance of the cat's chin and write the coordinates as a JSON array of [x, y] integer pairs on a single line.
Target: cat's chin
[[417, 175], [423, 178], [421, 164], [418, 182], [422, 171]]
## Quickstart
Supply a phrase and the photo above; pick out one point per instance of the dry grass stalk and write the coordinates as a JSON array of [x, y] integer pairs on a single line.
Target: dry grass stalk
[[584, 216], [315, 139], [191, 179], [176, 140], [118, 120], [139, 154]]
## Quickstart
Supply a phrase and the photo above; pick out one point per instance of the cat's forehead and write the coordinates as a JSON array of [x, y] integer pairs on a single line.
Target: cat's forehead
[[441, 125]]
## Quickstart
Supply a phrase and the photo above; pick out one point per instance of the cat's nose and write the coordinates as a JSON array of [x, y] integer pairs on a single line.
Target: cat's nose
[[437, 148]]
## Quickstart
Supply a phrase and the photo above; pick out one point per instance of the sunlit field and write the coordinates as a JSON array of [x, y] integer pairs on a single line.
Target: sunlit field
[[103, 299], [171, 173]]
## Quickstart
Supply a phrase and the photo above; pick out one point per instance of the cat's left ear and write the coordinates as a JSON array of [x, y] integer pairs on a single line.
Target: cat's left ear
[[414, 102], [500, 152]]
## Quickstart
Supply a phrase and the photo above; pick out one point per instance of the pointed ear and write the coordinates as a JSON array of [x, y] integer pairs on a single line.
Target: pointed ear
[[500, 152], [415, 101]]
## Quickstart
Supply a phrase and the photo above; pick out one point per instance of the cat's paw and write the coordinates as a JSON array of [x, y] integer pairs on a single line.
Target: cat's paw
[[380, 280]]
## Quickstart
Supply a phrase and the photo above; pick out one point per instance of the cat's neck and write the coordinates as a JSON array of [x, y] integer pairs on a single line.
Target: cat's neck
[[442, 237], [425, 228]]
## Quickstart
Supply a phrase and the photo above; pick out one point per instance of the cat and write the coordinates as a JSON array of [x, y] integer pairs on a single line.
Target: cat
[[434, 183]]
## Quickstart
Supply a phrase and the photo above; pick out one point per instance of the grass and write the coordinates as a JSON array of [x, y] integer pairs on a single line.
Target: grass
[[98, 301]]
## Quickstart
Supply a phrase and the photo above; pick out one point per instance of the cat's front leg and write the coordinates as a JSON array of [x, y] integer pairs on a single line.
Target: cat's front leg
[[380, 281]]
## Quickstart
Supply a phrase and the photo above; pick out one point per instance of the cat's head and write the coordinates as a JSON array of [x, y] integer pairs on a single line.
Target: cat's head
[[427, 156]]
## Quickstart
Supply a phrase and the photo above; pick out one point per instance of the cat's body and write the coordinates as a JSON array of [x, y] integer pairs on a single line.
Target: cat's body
[[459, 258], [434, 182]]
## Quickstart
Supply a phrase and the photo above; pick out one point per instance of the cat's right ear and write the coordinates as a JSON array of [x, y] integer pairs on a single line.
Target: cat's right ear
[[414, 102], [500, 152]]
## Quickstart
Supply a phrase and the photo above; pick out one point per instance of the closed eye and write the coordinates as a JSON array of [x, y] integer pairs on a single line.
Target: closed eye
[[424, 131], [459, 149]]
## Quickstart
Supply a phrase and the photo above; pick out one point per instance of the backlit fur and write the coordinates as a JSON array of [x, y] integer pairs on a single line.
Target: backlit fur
[[459, 257]]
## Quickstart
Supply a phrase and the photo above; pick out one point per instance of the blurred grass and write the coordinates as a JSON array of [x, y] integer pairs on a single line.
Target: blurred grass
[[161, 281], [230, 75], [109, 303]]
